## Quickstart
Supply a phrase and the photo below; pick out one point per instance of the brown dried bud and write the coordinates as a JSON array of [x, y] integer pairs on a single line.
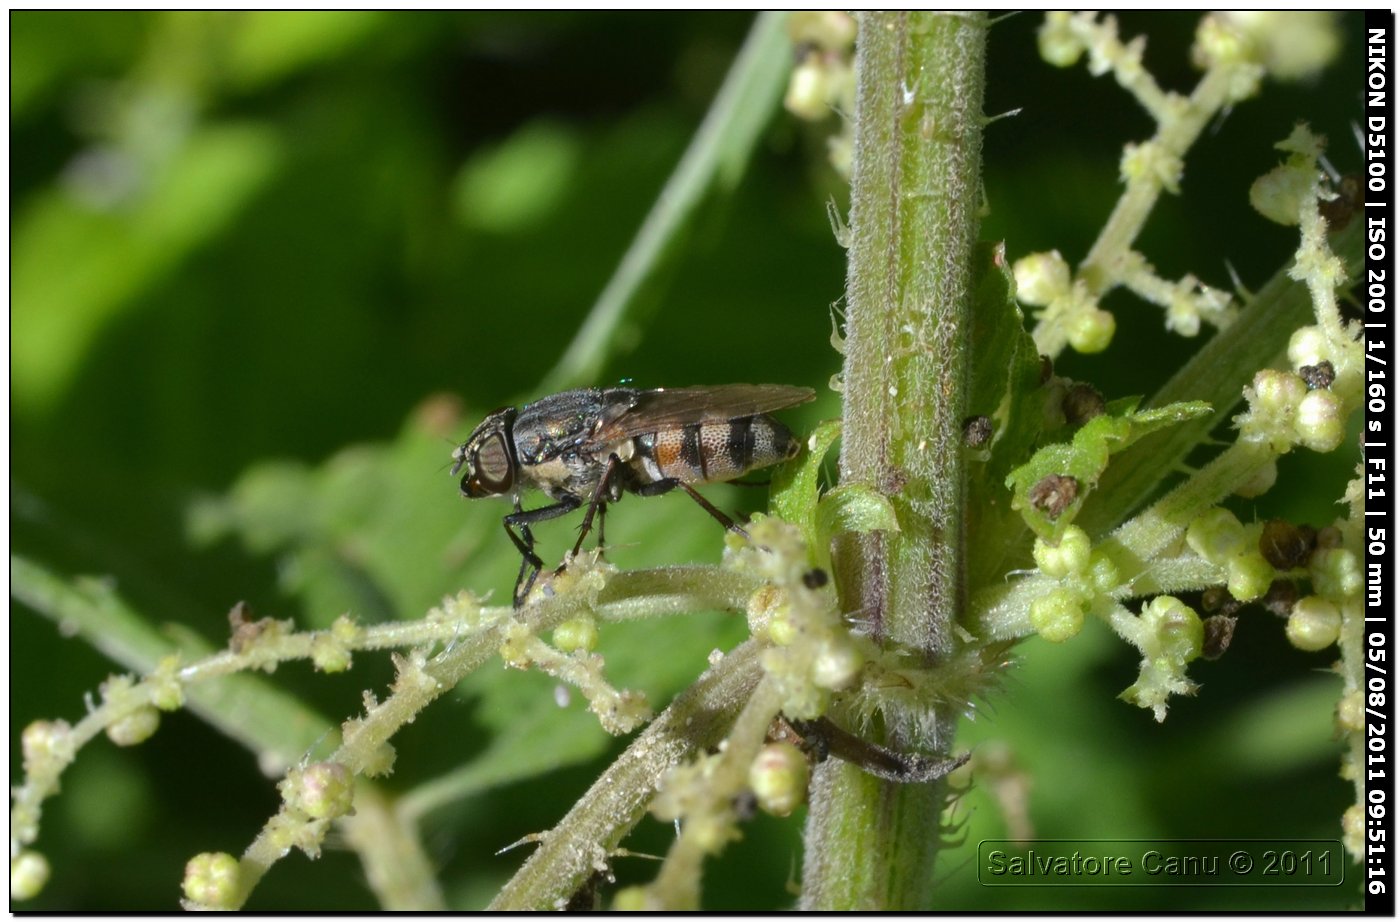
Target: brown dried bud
[[1339, 210], [1053, 494], [1219, 630], [1285, 545], [1318, 377], [977, 430], [1281, 597], [1217, 600], [1082, 403]]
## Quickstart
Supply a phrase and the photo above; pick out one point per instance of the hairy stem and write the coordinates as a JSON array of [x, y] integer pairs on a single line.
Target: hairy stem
[[582, 844], [915, 197]]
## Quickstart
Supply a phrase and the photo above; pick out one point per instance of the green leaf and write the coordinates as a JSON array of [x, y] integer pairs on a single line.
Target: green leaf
[[796, 485], [58, 313], [854, 507], [1085, 458], [1006, 385], [520, 183]]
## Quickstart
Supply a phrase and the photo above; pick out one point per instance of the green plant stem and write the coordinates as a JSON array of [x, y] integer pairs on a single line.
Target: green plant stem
[[677, 884], [915, 197], [583, 842], [1103, 267], [398, 868], [718, 153]]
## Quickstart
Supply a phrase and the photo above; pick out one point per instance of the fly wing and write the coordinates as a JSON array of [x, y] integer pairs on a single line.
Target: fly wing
[[680, 406]]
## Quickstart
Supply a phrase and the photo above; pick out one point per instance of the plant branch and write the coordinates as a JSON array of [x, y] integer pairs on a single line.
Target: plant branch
[[583, 842], [915, 198]]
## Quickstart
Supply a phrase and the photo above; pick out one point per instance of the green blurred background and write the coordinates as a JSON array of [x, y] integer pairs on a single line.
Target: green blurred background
[[266, 267]]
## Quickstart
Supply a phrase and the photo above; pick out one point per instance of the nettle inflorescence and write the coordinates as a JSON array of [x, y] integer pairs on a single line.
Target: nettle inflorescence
[[811, 679], [1236, 51], [1186, 543], [442, 648], [823, 82]]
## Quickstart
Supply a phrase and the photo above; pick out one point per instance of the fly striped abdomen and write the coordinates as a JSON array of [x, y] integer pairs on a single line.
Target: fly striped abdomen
[[713, 450]]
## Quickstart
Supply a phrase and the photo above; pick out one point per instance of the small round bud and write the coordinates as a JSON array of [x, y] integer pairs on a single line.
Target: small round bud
[[781, 631], [1218, 42], [1291, 44], [212, 880], [29, 872], [1278, 391], [1248, 576], [1184, 316], [1349, 711], [1320, 423], [1057, 616], [46, 743], [1103, 573], [1308, 346], [1151, 160], [633, 899], [778, 777], [1058, 44], [1091, 331], [1262, 482], [576, 634], [1280, 193], [1068, 557], [167, 691], [1354, 830], [1336, 573], [837, 665], [809, 90], [1041, 278], [329, 654], [321, 790], [1215, 534], [136, 727], [1176, 627], [1314, 625]]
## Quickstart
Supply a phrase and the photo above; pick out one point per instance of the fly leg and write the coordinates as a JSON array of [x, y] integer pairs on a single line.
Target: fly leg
[[602, 514], [598, 504], [530, 563], [665, 486]]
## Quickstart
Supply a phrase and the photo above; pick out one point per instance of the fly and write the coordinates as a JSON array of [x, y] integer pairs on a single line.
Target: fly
[[589, 446]]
